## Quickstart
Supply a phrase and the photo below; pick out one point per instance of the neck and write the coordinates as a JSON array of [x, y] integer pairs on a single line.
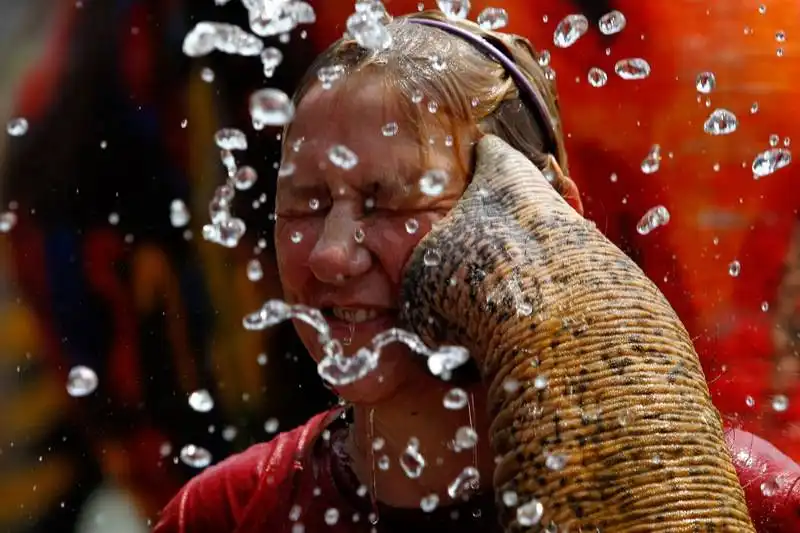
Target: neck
[[418, 412]]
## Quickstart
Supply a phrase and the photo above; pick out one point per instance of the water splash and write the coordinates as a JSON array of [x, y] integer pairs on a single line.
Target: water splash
[[338, 369]]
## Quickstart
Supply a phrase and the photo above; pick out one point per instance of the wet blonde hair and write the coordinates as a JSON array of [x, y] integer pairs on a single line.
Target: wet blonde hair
[[459, 77]]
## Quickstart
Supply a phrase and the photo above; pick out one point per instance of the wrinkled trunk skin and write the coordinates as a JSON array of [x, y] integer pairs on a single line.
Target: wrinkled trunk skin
[[534, 289]]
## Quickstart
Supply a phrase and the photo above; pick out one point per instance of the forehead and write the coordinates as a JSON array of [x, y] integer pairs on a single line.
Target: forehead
[[359, 112]]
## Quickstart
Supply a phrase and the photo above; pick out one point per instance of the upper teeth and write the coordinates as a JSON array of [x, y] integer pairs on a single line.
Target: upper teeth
[[354, 315]]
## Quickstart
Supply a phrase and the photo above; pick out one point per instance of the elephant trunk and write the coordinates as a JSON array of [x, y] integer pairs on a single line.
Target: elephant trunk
[[601, 413]]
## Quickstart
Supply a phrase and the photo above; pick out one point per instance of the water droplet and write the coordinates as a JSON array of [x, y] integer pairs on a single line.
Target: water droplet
[[437, 62], [612, 22], [540, 383], [446, 359], [296, 237], [271, 425], [341, 156], [7, 221], [178, 213], [457, 9], [113, 219], [705, 82], [770, 487], [721, 122], [432, 257], [229, 433], [17, 127], [226, 233], [412, 226], [270, 107], [286, 169], [770, 161], [383, 462], [555, 461], [754, 108], [411, 460], [530, 513], [652, 162], [511, 385], [262, 359], [780, 403], [201, 401], [510, 498], [268, 19], [465, 483], [654, 218], [359, 235], [750, 401], [339, 370], [466, 438], [378, 443], [207, 75], [734, 268], [254, 270], [433, 182], [543, 58], [774, 139], [295, 512], [332, 516], [632, 68], [597, 77], [455, 399], [229, 162], [244, 178], [762, 9], [329, 74], [780, 36], [195, 456], [432, 107], [271, 57], [429, 503], [569, 30], [369, 30], [390, 129], [81, 381], [493, 18], [206, 37]]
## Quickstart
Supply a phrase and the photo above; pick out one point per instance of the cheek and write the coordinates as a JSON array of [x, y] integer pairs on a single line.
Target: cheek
[[294, 241], [393, 240]]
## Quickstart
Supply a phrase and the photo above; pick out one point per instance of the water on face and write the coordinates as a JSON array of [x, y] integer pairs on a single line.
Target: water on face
[[270, 107], [338, 369]]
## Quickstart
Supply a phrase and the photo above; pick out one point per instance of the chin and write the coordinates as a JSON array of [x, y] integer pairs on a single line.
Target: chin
[[385, 381]]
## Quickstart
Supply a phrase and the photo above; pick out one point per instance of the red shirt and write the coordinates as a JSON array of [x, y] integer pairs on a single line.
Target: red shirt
[[290, 484]]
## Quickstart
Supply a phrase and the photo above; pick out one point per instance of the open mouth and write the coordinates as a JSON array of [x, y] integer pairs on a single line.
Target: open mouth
[[351, 315]]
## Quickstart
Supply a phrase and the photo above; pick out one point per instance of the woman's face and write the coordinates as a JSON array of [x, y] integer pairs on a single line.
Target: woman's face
[[344, 235]]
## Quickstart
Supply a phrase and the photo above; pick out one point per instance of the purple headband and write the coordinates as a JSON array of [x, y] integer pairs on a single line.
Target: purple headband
[[526, 89]]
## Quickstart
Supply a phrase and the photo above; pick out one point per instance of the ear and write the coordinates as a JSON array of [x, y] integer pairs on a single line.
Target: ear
[[565, 185]]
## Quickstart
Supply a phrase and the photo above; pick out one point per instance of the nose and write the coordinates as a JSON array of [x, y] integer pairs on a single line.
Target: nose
[[337, 256]]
